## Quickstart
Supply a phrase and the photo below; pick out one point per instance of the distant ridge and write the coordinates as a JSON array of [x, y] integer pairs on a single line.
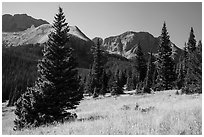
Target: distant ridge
[[38, 35], [126, 44], [19, 22]]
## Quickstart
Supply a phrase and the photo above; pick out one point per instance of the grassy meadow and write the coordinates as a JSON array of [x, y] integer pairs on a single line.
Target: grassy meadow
[[128, 114]]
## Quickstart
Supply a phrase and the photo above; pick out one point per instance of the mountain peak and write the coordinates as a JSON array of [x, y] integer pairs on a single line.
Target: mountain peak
[[74, 30], [19, 22], [126, 43], [33, 35]]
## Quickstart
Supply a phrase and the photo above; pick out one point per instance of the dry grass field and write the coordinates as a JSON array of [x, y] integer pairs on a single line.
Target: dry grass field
[[159, 113]]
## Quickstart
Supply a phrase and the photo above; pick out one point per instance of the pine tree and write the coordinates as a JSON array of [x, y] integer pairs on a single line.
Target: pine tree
[[199, 48], [193, 78], [140, 63], [149, 75], [193, 64], [165, 63], [97, 70], [185, 58], [191, 41], [26, 115], [89, 89], [180, 74], [135, 78], [116, 87], [154, 77], [104, 82], [129, 81], [57, 84]]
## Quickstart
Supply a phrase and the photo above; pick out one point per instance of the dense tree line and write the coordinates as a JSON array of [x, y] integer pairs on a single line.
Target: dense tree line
[[18, 70], [190, 67]]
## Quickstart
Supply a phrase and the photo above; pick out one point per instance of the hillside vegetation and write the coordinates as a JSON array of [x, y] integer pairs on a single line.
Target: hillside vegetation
[[159, 113]]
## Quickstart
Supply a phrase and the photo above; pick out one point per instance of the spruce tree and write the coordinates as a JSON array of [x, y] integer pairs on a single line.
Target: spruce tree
[[135, 78], [116, 87], [199, 48], [57, 88], [104, 82], [165, 63], [185, 58], [129, 82], [182, 68], [193, 77], [149, 75], [191, 41], [97, 70], [89, 89], [140, 63], [180, 74]]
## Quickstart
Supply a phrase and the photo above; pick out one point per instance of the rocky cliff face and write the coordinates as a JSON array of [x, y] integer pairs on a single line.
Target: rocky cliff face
[[19, 22], [127, 43]]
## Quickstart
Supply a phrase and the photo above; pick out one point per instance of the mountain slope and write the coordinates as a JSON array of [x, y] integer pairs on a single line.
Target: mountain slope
[[39, 35], [126, 44], [19, 22]]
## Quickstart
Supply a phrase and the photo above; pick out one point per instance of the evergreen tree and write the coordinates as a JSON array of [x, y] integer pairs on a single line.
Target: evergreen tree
[[57, 88], [154, 77], [97, 70], [182, 68], [185, 58], [193, 78], [180, 74], [129, 81], [192, 66], [165, 63], [140, 63], [122, 78], [116, 87], [191, 41], [149, 75], [89, 89], [104, 82], [199, 48], [135, 78]]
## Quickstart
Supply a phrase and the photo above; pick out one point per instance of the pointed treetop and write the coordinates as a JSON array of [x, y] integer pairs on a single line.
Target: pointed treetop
[[60, 9], [192, 30], [164, 25], [164, 31], [191, 41]]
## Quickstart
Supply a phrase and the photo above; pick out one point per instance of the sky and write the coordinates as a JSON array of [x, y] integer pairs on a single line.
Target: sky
[[105, 19]]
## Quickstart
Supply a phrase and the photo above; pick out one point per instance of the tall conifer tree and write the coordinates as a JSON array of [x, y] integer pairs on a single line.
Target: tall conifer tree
[[149, 76], [165, 63], [97, 69], [199, 47], [57, 88], [191, 41], [140, 63]]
